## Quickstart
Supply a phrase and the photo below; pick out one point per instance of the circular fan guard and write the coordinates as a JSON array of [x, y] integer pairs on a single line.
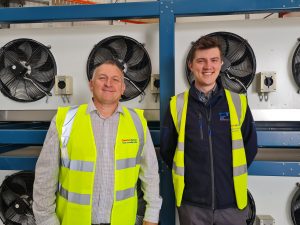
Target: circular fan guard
[[239, 63], [296, 65], [295, 206], [16, 199], [27, 70], [132, 55]]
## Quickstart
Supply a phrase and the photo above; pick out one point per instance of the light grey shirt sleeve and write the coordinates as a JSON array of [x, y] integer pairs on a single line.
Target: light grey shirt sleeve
[[46, 179], [150, 181]]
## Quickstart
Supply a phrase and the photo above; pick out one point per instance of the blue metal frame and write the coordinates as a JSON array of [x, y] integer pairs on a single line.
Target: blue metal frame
[[218, 7], [274, 168], [278, 139], [80, 12]]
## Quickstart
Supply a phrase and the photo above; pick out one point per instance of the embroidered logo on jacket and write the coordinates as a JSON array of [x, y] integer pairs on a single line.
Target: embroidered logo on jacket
[[224, 116]]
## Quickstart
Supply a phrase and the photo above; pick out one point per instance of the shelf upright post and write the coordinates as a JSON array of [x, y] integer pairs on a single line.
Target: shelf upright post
[[167, 89]]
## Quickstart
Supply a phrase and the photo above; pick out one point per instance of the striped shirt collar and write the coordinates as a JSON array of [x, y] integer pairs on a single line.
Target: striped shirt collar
[[92, 108], [206, 97]]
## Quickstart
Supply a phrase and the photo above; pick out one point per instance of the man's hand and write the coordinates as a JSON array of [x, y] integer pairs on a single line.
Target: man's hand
[[148, 223]]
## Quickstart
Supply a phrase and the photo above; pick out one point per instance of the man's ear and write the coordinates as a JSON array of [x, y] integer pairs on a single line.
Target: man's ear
[[91, 85], [190, 65]]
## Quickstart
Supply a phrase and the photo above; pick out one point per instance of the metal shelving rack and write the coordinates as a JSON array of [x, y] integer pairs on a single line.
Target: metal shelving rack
[[166, 11]]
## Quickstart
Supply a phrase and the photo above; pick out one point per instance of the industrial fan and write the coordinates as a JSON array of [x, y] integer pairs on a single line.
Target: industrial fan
[[16, 199], [132, 55], [295, 206], [27, 70], [296, 65], [252, 209], [239, 63]]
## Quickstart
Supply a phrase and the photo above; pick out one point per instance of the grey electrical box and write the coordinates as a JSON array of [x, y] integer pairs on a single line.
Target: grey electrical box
[[266, 82], [63, 85], [264, 220], [154, 84]]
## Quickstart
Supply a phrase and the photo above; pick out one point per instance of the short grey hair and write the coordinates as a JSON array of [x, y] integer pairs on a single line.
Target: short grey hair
[[109, 62]]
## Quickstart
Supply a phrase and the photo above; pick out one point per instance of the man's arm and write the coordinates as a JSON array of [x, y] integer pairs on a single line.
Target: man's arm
[[46, 180], [249, 136], [168, 139], [150, 182]]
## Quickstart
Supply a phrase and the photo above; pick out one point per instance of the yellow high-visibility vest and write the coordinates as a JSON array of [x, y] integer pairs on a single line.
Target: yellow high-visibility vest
[[78, 162], [237, 104]]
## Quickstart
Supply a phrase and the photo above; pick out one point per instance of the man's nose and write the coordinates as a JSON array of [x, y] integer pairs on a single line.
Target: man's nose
[[108, 82], [207, 64]]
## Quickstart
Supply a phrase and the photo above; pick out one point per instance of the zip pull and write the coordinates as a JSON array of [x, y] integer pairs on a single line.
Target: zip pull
[[201, 125]]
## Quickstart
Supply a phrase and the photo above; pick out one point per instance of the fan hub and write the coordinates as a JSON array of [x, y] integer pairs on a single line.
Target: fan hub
[[21, 69]]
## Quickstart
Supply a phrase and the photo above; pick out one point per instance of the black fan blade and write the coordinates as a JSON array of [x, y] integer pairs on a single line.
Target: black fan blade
[[12, 86], [297, 73], [138, 75], [23, 219], [38, 59], [32, 91], [42, 76], [297, 57], [20, 91], [7, 76], [9, 196], [231, 84], [120, 47], [241, 70], [131, 90], [236, 50], [102, 55], [26, 48], [136, 57], [10, 58], [224, 44]]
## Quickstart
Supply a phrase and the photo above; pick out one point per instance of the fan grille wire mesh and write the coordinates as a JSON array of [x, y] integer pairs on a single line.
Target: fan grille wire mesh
[[16, 199], [238, 69], [27, 70], [132, 55], [296, 65]]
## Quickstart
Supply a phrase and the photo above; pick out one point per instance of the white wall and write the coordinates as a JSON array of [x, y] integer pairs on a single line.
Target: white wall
[[273, 196]]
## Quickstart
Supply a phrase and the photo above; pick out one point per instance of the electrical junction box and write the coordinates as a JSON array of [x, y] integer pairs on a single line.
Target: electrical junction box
[[266, 82], [264, 220], [154, 84], [63, 85]]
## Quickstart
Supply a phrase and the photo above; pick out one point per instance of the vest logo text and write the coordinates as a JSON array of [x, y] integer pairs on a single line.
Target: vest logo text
[[129, 141]]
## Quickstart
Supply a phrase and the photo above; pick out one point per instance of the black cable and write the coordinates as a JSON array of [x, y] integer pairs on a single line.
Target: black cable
[[252, 209], [295, 206]]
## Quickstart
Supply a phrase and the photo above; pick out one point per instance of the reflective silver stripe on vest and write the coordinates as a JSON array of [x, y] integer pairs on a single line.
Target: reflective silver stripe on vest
[[179, 108], [139, 127], [65, 136], [126, 163], [124, 194], [180, 146], [239, 170], [237, 144], [178, 170], [78, 165], [237, 103], [67, 126], [81, 199]]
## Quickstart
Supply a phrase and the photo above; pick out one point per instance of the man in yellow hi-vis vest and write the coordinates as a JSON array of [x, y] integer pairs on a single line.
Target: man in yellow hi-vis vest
[[208, 139], [92, 158]]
